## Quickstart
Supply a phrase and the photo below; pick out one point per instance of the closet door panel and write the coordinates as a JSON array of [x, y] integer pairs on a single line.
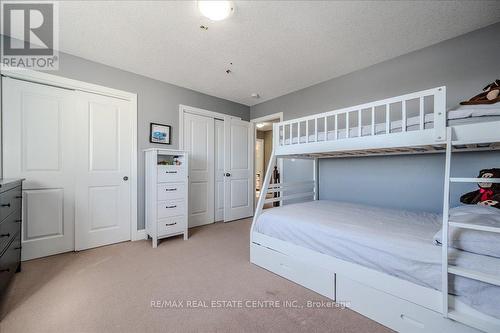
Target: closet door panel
[[104, 164], [38, 145], [219, 170], [199, 143], [238, 189]]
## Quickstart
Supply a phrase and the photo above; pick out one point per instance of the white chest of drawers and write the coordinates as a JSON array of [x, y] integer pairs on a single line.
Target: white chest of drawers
[[166, 193]]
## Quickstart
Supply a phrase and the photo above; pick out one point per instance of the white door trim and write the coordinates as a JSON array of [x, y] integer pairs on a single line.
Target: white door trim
[[268, 117], [279, 160], [62, 82], [201, 112]]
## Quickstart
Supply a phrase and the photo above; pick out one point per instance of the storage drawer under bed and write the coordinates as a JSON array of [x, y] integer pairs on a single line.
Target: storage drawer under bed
[[307, 275], [392, 311]]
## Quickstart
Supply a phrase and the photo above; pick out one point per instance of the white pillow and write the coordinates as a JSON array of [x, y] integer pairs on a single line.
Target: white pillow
[[475, 241]]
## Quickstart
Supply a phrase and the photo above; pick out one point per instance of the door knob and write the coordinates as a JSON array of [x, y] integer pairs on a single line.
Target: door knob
[[227, 174], [125, 178]]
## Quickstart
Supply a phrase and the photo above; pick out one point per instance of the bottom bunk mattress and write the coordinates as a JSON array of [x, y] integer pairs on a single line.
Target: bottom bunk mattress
[[395, 242]]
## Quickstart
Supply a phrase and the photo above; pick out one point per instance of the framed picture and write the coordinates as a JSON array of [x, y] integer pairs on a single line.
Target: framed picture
[[159, 133]]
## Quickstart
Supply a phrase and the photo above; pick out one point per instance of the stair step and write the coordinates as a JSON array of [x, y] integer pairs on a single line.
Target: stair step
[[478, 323], [474, 226], [474, 180], [472, 274]]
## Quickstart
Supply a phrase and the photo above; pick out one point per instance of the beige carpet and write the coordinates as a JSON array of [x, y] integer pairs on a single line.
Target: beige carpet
[[110, 289]]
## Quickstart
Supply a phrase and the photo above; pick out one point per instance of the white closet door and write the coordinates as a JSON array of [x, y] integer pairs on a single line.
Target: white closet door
[[219, 170], [104, 156], [38, 145], [199, 143], [238, 162]]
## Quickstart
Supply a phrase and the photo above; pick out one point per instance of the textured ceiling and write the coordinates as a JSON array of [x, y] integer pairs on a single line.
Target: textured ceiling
[[276, 47]]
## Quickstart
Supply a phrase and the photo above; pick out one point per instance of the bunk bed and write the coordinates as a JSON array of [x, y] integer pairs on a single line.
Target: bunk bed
[[383, 262]]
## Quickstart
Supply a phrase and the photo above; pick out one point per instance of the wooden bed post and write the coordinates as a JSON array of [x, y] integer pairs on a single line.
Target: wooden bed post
[[316, 178], [446, 208], [263, 191]]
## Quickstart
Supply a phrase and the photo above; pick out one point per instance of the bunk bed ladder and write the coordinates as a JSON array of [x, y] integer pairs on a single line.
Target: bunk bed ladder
[[447, 269]]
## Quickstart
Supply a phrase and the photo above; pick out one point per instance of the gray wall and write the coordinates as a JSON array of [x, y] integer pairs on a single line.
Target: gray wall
[[157, 102], [464, 64]]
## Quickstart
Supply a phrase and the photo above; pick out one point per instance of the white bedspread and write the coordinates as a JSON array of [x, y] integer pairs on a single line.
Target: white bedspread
[[395, 242]]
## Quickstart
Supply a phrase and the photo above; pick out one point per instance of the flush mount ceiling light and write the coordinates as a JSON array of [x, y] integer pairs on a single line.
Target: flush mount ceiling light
[[260, 125], [216, 10]]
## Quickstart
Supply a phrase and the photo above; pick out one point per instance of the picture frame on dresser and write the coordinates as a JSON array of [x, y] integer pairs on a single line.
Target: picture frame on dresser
[[166, 193]]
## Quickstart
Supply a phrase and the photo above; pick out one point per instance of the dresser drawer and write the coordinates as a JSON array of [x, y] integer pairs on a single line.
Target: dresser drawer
[[171, 225], [304, 273], [169, 208], [170, 191], [9, 228], [10, 201], [9, 262], [170, 173]]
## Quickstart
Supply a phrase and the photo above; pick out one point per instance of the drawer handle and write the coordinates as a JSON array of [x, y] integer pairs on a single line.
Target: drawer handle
[[6, 205], [18, 247], [169, 224], [171, 206], [5, 235], [170, 171], [19, 196], [170, 189], [5, 270], [18, 221]]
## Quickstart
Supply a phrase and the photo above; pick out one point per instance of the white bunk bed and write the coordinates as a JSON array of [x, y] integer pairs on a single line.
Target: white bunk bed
[[409, 124]]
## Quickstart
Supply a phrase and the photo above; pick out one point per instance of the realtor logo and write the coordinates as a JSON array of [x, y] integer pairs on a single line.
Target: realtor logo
[[30, 35]]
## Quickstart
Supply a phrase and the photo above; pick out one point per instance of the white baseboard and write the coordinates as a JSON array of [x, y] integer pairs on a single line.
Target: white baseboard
[[139, 235]]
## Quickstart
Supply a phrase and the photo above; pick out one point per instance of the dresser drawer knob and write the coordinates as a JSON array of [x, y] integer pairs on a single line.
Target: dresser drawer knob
[[174, 206], [6, 205], [5, 270], [170, 189], [170, 224], [5, 235]]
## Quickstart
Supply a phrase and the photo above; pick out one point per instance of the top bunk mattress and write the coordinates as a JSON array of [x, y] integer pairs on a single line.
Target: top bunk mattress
[[463, 115], [395, 242]]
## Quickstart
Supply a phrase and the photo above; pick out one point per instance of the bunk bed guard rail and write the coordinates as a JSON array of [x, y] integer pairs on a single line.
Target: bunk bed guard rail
[[419, 111]]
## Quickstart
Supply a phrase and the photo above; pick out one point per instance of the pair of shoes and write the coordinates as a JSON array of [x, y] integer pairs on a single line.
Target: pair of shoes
[[490, 95]]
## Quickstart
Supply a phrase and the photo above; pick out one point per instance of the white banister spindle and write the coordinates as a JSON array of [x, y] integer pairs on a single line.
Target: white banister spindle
[[421, 113], [373, 120], [298, 132], [307, 131], [359, 123], [315, 129], [326, 129], [387, 119], [336, 134], [347, 124], [282, 136], [403, 116], [290, 134]]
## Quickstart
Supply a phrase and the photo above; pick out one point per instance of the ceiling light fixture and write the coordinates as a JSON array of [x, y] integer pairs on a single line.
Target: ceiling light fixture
[[216, 10], [260, 125]]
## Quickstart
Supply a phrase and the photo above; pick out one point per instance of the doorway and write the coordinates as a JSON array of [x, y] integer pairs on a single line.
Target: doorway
[[263, 150]]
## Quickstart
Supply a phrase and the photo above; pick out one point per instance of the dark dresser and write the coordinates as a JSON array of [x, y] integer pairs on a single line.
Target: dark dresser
[[10, 230]]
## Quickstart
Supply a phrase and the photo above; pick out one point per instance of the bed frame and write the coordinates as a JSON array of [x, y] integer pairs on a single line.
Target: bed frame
[[391, 301]]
